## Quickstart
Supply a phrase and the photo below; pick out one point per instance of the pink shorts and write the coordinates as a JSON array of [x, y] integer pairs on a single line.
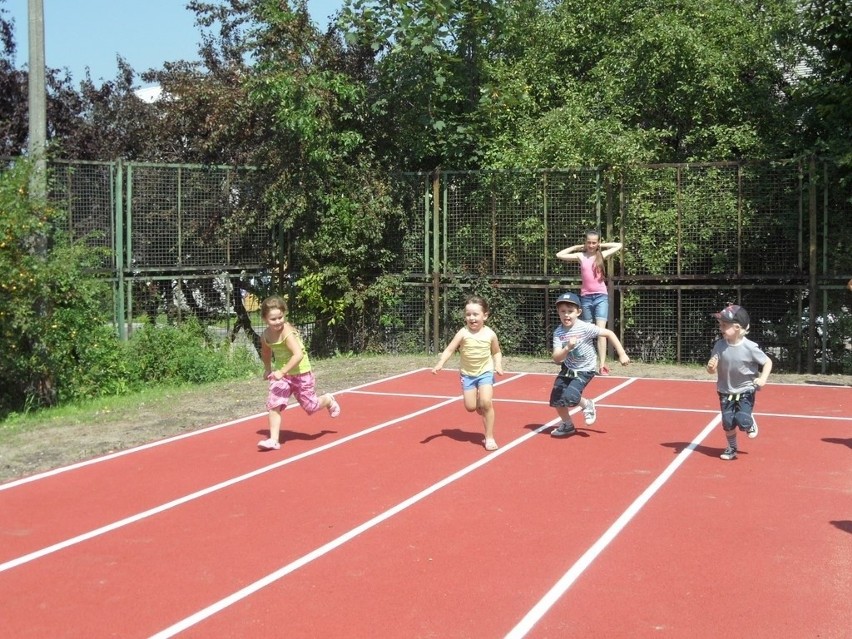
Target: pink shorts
[[302, 387]]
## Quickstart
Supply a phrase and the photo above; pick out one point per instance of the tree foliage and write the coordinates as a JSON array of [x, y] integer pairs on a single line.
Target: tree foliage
[[55, 340], [826, 90], [325, 115]]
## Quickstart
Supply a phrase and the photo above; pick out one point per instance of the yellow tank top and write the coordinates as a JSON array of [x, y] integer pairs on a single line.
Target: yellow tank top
[[475, 352], [282, 354]]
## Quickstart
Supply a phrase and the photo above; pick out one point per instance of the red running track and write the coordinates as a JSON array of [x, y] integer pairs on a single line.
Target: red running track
[[393, 521]]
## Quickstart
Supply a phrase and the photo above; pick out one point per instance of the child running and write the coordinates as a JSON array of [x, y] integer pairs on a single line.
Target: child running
[[736, 361], [574, 348], [281, 343], [480, 354]]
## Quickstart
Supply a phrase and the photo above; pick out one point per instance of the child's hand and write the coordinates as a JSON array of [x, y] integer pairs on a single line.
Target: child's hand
[[712, 363], [436, 369], [498, 370], [759, 383], [570, 344], [274, 375], [624, 359]]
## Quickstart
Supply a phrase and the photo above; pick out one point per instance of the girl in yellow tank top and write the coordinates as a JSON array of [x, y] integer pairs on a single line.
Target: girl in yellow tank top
[[480, 355]]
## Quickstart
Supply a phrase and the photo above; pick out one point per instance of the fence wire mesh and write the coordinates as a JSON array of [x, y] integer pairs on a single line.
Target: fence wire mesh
[[86, 191], [775, 237]]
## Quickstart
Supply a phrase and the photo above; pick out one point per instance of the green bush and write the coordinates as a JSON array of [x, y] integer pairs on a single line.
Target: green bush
[[54, 342], [57, 340], [184, 353]]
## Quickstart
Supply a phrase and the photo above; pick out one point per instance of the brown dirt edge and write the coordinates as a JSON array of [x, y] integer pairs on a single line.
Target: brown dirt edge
[[53, 443]]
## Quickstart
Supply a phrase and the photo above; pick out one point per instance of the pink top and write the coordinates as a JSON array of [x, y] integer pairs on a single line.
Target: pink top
[[591, 283]]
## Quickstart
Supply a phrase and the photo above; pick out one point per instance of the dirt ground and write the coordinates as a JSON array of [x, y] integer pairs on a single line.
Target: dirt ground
[[56, 443]]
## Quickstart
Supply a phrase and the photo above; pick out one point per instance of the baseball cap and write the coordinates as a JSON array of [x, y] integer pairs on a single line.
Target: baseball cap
[[570, 298], [734, 314]]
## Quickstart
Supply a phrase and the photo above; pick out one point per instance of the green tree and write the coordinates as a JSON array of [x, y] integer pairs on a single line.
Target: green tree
[[429, 62], [13, 93], [826, 89], [636, 81], [56, 343]]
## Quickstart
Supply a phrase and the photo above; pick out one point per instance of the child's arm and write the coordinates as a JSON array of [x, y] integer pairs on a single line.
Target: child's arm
[[610, 248], [572, 253], [295, 348], [760, 382], [265, 356], [616, 343], [561, 351], [497, 354], [448, 352]]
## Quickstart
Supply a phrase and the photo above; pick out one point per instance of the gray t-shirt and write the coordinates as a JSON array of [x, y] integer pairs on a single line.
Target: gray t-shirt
[[584, 356], [739, 365]]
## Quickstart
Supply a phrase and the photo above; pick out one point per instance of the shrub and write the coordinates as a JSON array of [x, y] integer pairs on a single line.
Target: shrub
[[184, 353], [54, 342]]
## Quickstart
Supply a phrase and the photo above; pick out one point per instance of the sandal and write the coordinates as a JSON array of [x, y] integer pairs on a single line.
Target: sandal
[[490, 444]]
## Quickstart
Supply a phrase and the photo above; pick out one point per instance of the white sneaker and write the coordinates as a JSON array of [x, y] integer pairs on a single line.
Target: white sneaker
[[752, 432], [268, 444], [589, 413]]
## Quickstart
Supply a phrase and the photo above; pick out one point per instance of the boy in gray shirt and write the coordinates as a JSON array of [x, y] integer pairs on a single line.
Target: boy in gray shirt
[[741, 369]]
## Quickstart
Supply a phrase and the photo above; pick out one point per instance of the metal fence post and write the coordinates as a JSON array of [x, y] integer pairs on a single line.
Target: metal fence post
[[436, 275], [812, 262], [118, 248]]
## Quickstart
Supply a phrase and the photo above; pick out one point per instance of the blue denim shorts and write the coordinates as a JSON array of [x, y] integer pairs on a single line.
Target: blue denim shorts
[[595, 307], [469, 382]]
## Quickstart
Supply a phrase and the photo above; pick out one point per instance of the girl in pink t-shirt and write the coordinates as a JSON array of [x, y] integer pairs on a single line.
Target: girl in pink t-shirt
[[593, 293]]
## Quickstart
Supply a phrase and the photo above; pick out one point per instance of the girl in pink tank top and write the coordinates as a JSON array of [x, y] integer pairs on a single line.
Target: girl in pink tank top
[[593, 291]]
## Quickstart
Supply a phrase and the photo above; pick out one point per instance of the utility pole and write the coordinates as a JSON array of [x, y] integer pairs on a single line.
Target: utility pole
[[37, 100]]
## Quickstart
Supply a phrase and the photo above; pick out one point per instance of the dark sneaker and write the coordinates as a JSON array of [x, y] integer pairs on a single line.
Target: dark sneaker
[[730, 453], [563, 430], [589, 413]]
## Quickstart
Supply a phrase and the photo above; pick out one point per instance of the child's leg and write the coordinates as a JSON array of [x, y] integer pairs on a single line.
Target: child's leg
[[728, 408], [486, 409], [564, 413], [274, 430], [471, 403], [276, 401], [744, 414], [601, 312], [328, 401], [274, 424], [304, 388], [601, 345], [731, 440]]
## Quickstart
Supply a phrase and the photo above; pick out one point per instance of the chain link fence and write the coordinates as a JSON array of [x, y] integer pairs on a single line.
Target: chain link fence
[[775, 237]]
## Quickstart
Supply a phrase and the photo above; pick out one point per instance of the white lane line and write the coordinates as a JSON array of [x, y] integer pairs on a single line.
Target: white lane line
[[567, 580], [210, 489], [13, 563], [161, 442], [282, 572]]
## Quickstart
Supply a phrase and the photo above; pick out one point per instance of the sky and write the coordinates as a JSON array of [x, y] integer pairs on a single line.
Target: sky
[[146, 33]]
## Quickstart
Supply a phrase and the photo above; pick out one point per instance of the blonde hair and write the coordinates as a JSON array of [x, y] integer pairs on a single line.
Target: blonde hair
[[271, 303]]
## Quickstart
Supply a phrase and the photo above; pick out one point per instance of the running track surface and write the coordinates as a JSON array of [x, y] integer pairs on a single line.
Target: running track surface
[[393, 521]]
